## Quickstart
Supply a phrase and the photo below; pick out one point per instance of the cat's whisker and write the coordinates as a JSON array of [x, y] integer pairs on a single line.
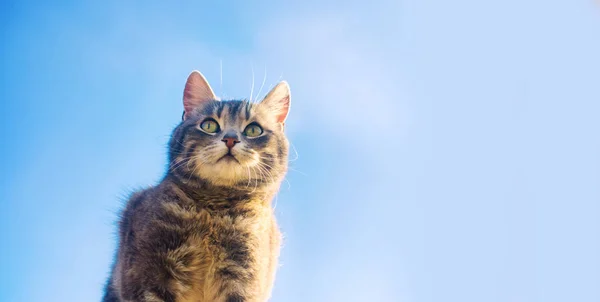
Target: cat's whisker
[[180, 143], [295, 151], [188, 168], [262, 85], [252, 89], [261, 173], [287, 181], [175, 166], [272, 178], [178, 164], [192, 159], [176, 161], [292, 169], [249, 177], [271, 86], [199, 163], [263, 159], [221, 75], [264, 175], [263, 168], [285, 178], [182, 152], [276, 200], [265, 164], [268, 89], [255, 179]]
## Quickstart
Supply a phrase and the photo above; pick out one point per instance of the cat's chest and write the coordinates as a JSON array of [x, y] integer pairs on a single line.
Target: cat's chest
[[247, 223], [251, 221]]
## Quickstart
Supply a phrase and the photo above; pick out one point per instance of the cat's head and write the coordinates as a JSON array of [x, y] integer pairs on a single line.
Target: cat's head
[[233, 143]]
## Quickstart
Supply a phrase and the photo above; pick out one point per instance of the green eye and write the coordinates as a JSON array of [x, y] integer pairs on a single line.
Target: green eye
[[209, 126], [253, 130]]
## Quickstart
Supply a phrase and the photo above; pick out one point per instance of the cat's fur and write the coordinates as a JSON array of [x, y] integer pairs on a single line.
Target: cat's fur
[[207, 231]]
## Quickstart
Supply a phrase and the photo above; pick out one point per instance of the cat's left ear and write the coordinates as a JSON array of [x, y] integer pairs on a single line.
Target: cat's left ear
[[196, 92], [278, 101]]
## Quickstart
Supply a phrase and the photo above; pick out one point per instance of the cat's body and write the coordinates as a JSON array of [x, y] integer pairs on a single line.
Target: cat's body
[[207, 231], [183, 246]]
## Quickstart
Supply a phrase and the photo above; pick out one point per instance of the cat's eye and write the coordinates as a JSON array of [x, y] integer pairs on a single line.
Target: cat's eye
[[209, 126], [253, 130]]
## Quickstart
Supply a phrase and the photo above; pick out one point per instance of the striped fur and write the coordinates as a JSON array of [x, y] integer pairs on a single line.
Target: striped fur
[[207, 231]]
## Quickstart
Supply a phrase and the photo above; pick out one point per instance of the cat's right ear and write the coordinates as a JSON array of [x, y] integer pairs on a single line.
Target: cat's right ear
[[196, 92]]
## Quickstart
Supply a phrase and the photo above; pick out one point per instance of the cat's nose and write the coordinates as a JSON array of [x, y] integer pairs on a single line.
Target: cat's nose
[[230, 141]]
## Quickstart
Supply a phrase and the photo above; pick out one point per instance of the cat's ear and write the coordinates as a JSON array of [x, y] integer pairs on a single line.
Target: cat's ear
[[278, 101], [196, 92]]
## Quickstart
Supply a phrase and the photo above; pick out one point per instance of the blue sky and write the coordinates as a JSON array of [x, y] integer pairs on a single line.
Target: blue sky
[[447, 150]]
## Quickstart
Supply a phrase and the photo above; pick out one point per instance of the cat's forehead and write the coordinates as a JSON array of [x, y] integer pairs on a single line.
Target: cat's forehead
[[234, 111]]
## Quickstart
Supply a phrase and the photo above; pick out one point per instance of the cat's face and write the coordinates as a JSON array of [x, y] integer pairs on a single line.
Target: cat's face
[[230, 143]]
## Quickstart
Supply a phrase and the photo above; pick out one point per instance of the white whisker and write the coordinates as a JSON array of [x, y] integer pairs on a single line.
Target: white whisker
[[276, 200], [292, 169], [295, 151], [284, 178], [288, 182], [265, 171], [255, 179], [249, 177], [221, 75], [262, 85], [252, 89], [178, 164], [195, 157]]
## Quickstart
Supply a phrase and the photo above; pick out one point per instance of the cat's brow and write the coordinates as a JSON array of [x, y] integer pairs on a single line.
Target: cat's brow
[[234, 110], [247, 106], [220, 109]]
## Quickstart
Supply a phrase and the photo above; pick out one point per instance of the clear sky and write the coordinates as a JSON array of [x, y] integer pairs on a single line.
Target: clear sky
[[447, 150]]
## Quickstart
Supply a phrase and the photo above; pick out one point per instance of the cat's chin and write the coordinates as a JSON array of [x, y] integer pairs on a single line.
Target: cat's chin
[[228, 158], [227, 168], [227, 171]]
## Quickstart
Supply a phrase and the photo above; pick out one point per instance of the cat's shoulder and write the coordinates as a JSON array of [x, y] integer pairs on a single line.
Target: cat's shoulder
[[137, 197], [163, 192], [139, 202]]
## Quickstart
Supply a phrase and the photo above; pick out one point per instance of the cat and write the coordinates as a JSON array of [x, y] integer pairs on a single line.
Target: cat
[[207, 231]]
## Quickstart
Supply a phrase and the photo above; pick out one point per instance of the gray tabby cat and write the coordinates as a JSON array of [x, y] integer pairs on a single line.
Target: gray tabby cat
[[207, 231]]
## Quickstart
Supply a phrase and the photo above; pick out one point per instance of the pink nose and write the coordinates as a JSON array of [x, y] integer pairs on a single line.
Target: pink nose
[[230, 141]]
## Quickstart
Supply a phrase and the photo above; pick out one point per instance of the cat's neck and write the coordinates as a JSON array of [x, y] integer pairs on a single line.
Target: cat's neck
[[205, 193]]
